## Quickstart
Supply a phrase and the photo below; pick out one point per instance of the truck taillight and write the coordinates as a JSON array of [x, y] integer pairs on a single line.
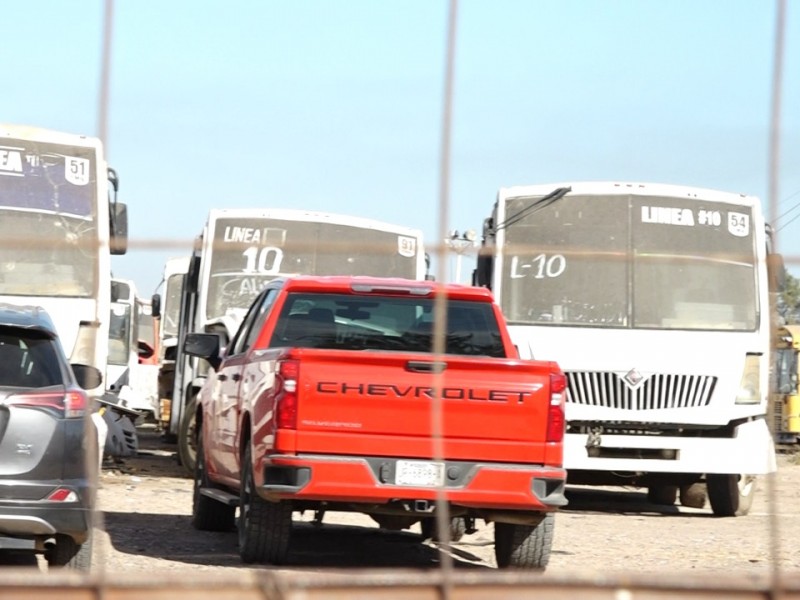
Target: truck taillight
[[72, 403], [555, 411], [286, 402]]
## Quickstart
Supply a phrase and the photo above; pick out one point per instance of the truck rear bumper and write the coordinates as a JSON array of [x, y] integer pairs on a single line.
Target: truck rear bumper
[[750, 450], [344, 479]]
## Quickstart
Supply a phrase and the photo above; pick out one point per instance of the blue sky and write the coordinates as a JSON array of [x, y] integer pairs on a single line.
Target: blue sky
[[337, 106]]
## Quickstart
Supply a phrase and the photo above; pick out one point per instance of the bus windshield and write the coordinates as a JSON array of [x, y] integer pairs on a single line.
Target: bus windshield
[[248, 253], [47, 219], [631, 261]]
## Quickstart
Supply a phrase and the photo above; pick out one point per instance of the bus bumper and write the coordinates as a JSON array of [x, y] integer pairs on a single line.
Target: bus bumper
[[750, 450]]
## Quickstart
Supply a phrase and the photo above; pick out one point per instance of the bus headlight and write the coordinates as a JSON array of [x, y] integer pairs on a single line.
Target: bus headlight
[[750, 385]]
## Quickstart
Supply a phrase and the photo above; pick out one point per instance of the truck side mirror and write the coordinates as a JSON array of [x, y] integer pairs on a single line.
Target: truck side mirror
[[203, 345]]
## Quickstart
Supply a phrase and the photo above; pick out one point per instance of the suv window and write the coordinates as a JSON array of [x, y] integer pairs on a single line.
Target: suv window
[[28, 360], [341, 321]]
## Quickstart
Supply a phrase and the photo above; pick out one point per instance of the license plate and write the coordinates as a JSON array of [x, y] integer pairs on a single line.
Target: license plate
[[423, 474]]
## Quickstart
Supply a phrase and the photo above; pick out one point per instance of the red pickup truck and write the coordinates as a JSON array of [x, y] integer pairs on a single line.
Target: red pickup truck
[[404, 400]]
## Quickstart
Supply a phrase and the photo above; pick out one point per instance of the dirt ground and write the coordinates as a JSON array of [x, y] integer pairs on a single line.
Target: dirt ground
[[144, 527]]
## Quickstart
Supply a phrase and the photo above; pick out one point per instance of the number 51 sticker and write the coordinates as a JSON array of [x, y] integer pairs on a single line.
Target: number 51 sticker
[[76, 170], [738, 224]]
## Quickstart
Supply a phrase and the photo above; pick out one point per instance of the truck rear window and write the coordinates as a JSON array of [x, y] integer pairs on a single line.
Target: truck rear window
[[346, 322]]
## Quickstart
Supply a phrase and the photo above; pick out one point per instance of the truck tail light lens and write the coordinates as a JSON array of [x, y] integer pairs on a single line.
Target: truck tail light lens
[[286, 401], [72, 404], [556, 421]]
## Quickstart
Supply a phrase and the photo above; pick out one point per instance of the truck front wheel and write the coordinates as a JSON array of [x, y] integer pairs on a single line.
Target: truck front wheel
[[731, 495], [524, 546], [207, 513], [264, 527], [458, 527]]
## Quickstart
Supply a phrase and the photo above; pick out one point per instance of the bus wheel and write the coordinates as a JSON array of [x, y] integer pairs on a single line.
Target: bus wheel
[[731, 495], [187, 437], [693, 495], [662, 494]]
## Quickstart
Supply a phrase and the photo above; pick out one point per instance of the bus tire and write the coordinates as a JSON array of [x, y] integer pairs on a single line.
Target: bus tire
[[265, 528], [694, 495], [730, 495], [207, 513], [663, 495], [524, 546], [187, 436]]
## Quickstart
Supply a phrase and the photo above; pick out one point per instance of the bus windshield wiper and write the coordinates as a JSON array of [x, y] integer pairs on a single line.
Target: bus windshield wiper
[[538, 204]]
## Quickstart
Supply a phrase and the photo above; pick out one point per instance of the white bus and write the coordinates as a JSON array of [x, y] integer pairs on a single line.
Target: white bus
[[240, 250], [654, 300], [60, 222], [132, 370], [166, 307]]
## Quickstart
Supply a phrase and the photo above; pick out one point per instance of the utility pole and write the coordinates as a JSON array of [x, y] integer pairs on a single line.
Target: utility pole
[[105, 75]]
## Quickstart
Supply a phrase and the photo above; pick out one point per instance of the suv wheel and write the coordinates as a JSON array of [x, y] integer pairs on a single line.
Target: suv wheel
[[66, 553]]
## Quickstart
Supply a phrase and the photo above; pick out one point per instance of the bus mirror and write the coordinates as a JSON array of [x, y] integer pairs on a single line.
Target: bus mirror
[[483, 270], [155, 306], [88, 377], [119, 228]]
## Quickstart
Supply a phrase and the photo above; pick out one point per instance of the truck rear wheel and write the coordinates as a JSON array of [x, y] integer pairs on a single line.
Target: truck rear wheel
[[207, 513], [187, 438], [524, 546], [264, 527], [731, 495]]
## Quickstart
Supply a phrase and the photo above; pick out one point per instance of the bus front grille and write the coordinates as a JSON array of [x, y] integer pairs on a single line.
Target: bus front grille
[[611, 390]]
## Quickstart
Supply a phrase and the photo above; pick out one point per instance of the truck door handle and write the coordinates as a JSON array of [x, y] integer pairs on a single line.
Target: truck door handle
[[236, 377], [422, 366], [222, 377]]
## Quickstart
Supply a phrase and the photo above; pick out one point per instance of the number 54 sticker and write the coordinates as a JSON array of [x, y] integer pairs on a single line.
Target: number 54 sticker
[[738, 224]]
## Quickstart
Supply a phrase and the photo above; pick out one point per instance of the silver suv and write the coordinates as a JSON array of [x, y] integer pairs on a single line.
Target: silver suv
[[48, 445]]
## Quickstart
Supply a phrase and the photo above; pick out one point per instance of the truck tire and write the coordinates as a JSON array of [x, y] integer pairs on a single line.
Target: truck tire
[[265, 528], [458, 527], [663, 495], [207, 513], [187, 438], [693, 495], [730, 495], [524, 546], [66, 553]]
